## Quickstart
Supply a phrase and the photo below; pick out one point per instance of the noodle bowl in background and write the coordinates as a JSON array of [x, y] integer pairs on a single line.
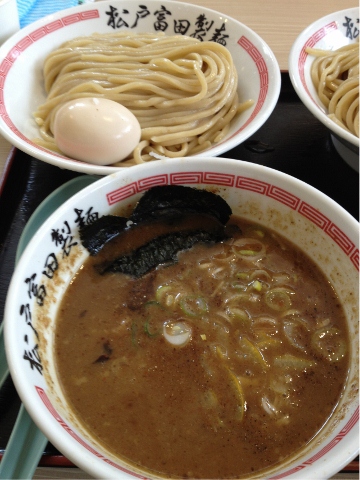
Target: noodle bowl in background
[[182, 91], [332, 35], [335, 75]]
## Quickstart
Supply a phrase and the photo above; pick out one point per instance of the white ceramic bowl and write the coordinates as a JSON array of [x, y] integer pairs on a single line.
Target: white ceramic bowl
[[328, 33], [22, 56], [296, 210]]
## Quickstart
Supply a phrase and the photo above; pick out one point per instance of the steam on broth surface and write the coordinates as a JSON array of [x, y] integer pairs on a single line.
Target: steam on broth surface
[[217, 366]]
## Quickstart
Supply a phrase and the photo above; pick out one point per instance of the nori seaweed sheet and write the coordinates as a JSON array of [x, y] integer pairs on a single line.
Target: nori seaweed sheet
[[169, 200], [160, 250], [95, 235]]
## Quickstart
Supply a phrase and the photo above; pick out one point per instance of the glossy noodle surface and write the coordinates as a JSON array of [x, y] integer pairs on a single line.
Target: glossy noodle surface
[[335, 75], [182, 91], [218, 366]]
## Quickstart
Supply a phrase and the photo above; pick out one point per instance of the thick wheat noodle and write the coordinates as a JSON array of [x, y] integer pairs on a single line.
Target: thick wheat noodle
[[182, 91], [335, 75]]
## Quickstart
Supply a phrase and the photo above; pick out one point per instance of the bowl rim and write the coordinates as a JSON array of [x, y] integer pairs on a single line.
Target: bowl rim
[[297, 52], [256, 171], [267, 67]]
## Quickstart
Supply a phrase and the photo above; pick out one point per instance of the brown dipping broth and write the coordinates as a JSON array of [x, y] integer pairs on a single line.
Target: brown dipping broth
[[263, 368]]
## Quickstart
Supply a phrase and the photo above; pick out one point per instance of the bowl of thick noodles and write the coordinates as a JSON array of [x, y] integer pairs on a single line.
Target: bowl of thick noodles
[[191, 318], [324, 70], [198, 83]]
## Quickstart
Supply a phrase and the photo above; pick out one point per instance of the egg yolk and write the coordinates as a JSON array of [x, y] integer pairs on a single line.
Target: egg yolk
[[96, 130]]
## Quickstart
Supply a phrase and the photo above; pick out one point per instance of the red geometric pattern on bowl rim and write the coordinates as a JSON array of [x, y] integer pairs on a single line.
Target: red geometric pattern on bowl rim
[[260, 63], [327, 448], [245, 183], [19, 48], [46, 401], [310, 43]]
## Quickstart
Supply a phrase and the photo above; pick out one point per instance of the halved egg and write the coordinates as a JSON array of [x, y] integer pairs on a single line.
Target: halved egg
[[96, 130]]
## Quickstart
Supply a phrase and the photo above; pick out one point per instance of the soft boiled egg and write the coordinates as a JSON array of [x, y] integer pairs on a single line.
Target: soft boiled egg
[[96, 130]]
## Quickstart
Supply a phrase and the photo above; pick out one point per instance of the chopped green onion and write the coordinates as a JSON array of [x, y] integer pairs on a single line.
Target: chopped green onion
[[152, 307], [248, 247], [329, 342], [222, 256], [281, 278], [256, 285], [239, 286], [162, 295], [193, 306], [266, 331], [261, 275], [177, 333], [242, 275], [237, 299], [278, 299], [147, 331], [239, 314], [297, 332], [260, 233]]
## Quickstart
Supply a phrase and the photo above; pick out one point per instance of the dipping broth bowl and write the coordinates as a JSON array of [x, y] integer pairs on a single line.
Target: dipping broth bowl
[[23, 55], [297, 211]]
